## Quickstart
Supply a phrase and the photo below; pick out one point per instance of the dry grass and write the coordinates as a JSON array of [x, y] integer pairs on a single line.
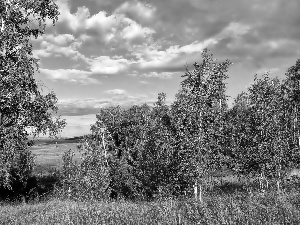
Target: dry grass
[[49, 156], [237, 208]]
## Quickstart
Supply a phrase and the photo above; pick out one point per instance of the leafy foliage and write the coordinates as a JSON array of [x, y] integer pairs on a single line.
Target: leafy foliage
[[265, 125], [22, 103], [161, 150], [164, 150], [199, 118]]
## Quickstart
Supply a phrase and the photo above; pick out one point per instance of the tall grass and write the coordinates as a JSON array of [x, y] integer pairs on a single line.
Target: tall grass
[[235, 208]]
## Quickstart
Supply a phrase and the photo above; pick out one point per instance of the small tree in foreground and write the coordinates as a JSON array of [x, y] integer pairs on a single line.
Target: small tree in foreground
[[90, 177]]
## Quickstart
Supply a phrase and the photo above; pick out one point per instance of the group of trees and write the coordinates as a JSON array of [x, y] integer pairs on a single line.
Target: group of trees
[[146, 151], [264, 125]]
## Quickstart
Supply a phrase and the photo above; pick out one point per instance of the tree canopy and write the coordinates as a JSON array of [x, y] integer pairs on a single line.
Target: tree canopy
[[22, 101]]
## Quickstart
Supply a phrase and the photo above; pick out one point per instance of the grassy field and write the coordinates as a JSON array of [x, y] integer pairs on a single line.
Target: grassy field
[[237, 208], [49, 154]]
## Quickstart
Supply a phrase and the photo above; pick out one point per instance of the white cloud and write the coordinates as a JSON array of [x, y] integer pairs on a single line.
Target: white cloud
[[41, 53], [136, 31], [116, 92], [78, 125], [108, 65], [162, 75], [138, 9], [59, 45], [234, 30], [60, 39], [104, 27], [191, 48], [74, 21], [151, 58], [70, 75], [144, 82], [101, 26], [103, 65]]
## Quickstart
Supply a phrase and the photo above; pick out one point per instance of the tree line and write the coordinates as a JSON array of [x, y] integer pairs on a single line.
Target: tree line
[[145, 151]]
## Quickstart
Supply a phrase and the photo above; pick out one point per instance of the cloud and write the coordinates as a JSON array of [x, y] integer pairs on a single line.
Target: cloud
[[137, 10], [234, 30], [108, 65], [116, 92], [144, 82], [156, 39], [78, 125], [78, 107], [70, 75], [60, 39], [62, 45], [151, 58], [162, 75], [74, 22], [39, 53], [135, 32], [102, 28], [103, 65]]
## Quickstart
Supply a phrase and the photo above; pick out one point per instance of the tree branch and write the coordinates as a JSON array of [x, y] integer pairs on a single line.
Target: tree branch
[[2, 24]]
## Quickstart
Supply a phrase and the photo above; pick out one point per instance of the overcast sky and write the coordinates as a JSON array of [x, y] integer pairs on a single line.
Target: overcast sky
[[110, 52]]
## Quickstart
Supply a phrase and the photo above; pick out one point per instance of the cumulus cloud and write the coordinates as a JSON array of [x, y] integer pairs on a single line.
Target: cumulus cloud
[[137, 10], [60, 39], [101, 26], [61, 45], [157, 39], [104, 28], [136, 32], [76, 21], [108, 65], [96, 68]]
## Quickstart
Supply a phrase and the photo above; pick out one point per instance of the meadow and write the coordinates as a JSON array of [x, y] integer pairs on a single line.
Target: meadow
[[229, 208], [225, 201], [49, 154]]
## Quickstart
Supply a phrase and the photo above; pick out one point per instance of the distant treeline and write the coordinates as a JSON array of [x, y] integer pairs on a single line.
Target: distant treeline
[[77, 138]]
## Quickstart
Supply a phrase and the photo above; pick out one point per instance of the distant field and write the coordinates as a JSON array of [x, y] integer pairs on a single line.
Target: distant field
[[49, 155]]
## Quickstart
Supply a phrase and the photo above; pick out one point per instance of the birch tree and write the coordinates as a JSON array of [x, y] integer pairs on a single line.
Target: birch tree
[[22, 101], [198, 112]]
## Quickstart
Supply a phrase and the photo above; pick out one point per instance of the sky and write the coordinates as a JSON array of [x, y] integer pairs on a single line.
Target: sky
[[116, 52]]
